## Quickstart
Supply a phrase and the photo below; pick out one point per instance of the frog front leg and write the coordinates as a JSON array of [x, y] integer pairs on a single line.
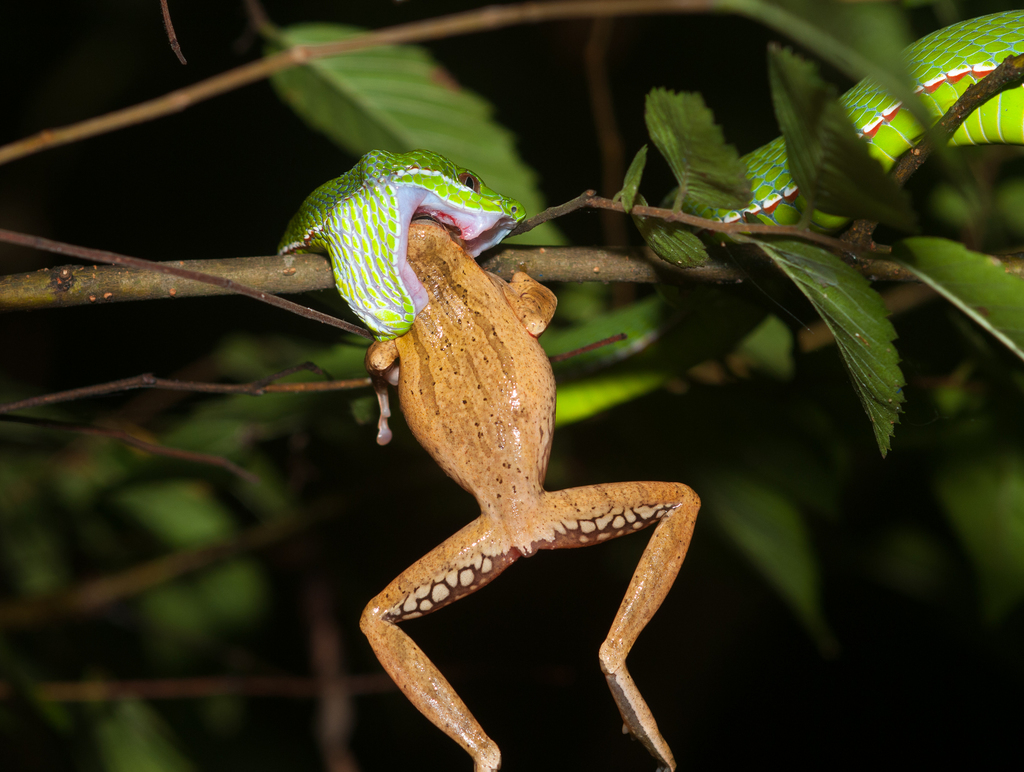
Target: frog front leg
[[461, 565], [533, 303], [382, 364]]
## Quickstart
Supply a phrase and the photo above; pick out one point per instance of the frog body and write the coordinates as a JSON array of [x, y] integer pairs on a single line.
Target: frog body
[[478, 393]]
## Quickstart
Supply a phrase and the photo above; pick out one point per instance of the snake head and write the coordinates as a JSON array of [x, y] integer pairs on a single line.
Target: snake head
[[361, 220]]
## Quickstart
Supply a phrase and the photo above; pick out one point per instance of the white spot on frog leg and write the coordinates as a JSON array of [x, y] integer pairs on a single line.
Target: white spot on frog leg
[[476, 560], [602, 522], [584, 539], [560, 528], [487, 565], [604, 535], [572, 525], [413, 615], [439, 593], [618, 522], [587, 526], [638, 524], [421, 592], [410, 605], [465, 577], [452, 578], [630, 517], [645, 512], [426, 605]]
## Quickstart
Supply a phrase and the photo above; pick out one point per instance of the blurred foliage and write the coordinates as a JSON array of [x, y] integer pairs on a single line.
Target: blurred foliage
[[829, 594]]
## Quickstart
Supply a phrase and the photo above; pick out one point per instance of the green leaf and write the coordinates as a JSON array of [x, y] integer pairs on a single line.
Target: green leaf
[[632, 181], [1010, 205], [829, 162], [977, 284], [583, 399], [770, 531], [642, 322], [983, 495], [859, 39], [398, 98], [855, 314], [671, 241], [180, 513], [708, 171], [769, 348], [131, 737]]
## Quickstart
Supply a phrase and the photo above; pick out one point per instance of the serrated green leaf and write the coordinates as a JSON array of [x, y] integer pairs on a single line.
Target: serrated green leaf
[[709, 171], [983, 495], [976, 284], [631, 183], [671, 241], [855, 314], [398, 98], [829, 162], [770, 531]]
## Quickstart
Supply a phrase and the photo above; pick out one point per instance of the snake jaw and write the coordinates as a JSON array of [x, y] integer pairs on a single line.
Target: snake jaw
[[479, 230]]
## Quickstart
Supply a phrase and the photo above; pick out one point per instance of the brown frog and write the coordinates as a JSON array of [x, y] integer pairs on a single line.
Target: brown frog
[[478, 393]]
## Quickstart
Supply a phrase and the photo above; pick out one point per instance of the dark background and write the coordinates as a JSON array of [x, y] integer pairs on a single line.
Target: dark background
[[731, 675]]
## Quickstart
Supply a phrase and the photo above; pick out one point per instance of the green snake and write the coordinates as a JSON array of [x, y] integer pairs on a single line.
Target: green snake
[[942, 65], [361, 219]]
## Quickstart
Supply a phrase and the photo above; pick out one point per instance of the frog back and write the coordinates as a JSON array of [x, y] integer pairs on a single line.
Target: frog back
[[476, 388]]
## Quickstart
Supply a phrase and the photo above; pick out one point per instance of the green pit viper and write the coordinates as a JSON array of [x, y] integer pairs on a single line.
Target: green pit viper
[[361, 218]]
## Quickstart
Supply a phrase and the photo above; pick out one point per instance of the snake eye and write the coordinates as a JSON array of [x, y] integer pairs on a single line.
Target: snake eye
[[470, 181]]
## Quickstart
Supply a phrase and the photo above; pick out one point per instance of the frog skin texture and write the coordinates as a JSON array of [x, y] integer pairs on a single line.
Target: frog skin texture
[[477, 391]]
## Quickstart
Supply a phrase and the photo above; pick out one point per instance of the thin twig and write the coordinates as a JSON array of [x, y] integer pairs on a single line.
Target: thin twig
[[478, 20], [1008, 74], [590, 199], [112, 258], [609, 139], [128, 439], [326, 653], [576, 352], [171, 37], [150, 381]]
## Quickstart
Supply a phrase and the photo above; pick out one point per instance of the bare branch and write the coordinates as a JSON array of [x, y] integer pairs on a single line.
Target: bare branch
[[92, 595], [590, 347], [1008, 74], [478, 20], [112, 258], [171, 37], [150, 381], [135, 442]]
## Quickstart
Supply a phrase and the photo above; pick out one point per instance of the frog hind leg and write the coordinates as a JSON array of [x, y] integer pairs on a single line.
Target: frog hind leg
[[460, 565], [586, 516]]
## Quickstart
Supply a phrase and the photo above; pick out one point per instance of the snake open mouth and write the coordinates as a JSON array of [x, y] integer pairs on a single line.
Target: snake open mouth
[[477, 229]]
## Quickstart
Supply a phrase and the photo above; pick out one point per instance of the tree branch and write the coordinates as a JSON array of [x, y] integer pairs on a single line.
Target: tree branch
[[92, 595], [478, 20]]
